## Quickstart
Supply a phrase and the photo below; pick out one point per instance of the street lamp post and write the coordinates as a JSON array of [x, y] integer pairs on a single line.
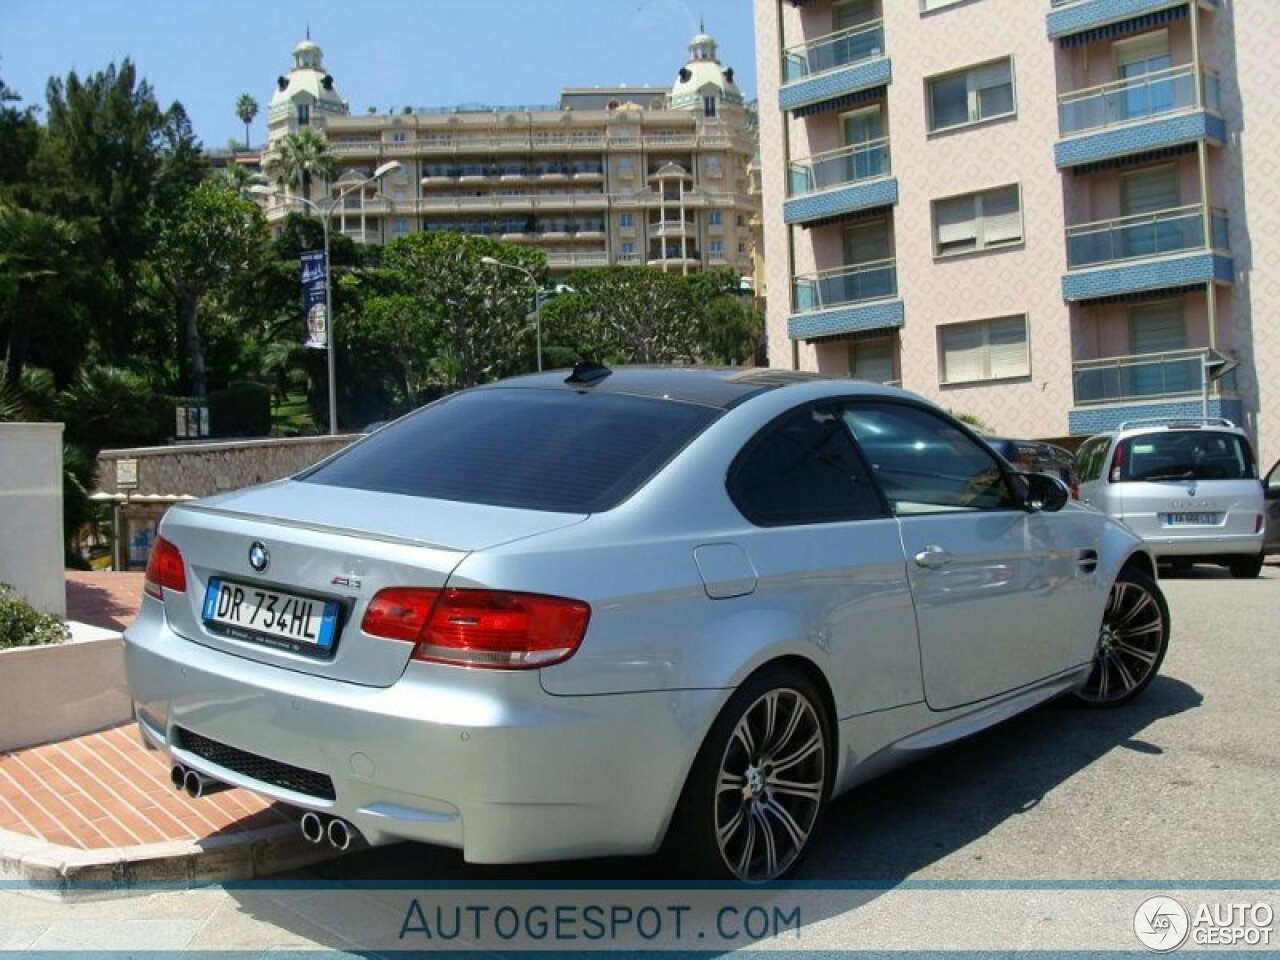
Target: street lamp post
[[325, 215], [537, 314]]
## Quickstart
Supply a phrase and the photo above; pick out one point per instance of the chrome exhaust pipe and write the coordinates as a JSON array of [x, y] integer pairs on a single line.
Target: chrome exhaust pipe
[[198, 786], [340, 834], [312, 827], [177, 776]]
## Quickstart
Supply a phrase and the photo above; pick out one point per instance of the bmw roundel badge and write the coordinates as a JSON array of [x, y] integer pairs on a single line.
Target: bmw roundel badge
[[258, 556]]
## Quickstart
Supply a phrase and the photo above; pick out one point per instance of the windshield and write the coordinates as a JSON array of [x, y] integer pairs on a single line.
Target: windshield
[[534, 449], [1186, 455]]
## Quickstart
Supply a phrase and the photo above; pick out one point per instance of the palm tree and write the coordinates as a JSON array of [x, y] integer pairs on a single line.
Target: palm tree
[[33, 248], [298, 158], [246, 110]]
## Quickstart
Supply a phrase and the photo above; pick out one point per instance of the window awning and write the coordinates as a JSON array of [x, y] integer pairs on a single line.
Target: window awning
[[840, 103], [1110, 31]]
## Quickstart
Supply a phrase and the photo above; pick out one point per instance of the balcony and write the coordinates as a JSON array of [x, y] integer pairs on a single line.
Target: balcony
[[849, 299], [829, 185], [833, 71], [1110, 390], [1151, 251], [672, 228], [1084, 19], [1140, 114]]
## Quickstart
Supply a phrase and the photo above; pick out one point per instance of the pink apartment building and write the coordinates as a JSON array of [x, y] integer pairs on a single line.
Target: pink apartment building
[[1054, 215]]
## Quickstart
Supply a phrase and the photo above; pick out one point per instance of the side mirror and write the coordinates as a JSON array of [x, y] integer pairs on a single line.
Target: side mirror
[[1044, 493]]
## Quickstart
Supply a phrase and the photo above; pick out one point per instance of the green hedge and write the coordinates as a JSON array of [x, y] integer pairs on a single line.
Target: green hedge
[[241, 410], [22, 625]]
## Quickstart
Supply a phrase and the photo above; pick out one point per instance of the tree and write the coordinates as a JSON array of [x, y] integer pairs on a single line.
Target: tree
[[246, 110], [19, 138], [299, 157], [34, 249], [403, 326], [213, 237]]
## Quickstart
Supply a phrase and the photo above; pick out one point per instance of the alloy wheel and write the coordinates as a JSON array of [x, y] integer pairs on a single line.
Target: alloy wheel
[[1131, 642], [770, 786]]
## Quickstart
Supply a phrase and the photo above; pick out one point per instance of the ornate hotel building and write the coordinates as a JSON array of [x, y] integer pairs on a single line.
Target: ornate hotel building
[[626, 175], [1054, 215]]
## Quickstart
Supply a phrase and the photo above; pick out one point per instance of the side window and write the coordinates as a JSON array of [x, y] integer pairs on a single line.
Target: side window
[[925, 464], [1089, 459], [803, 469]]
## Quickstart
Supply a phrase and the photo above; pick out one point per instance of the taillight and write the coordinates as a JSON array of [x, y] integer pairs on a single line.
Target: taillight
[[479, 628], [1257, 523], [1074, 487], [164, 570], [1117, 462]]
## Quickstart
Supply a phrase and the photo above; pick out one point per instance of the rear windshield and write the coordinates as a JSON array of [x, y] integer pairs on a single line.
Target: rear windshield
[[534, 449], [1186, 455]]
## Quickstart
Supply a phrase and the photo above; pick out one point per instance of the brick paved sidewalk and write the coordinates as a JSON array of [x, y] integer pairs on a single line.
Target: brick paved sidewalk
[[105, 599]]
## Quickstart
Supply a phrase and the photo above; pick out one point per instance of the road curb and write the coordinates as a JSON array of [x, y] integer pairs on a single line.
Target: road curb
[[44, 869]]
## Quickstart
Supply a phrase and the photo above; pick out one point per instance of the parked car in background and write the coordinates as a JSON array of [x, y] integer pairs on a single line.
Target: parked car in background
[[1189, 489], [559, 617], [1036, 456], [1272, 494]]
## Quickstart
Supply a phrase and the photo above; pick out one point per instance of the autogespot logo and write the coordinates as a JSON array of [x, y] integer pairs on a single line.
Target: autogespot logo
[[1161, 924]]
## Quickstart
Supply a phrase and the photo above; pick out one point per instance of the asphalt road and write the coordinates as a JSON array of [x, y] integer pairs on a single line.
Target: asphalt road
[[1180, 785]]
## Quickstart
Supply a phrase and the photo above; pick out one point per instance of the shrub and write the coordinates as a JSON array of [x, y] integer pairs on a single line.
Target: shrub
[[22, 625], [242, 410]]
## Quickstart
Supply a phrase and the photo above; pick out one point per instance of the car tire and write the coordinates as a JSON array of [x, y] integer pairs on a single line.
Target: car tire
[[1133, 638], [759, 783], [1246, 568]]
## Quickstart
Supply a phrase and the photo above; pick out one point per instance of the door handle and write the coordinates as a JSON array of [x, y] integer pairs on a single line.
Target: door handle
[[932, 557], [1087, 561]]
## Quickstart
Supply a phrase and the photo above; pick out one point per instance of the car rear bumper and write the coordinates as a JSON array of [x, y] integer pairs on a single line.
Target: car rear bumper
[[1204, 545], [485, 761]]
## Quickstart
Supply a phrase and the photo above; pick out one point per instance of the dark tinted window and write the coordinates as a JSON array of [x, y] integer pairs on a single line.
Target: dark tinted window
[[803, 469], [527, 448], [1186, 455], [925, 464], [1089, 458]]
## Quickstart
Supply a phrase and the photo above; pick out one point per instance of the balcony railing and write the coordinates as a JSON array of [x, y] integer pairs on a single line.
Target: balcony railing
[[1139, 98], [835, 50], [831, 288], [865, 161], [1145, 235], [1141, 377]]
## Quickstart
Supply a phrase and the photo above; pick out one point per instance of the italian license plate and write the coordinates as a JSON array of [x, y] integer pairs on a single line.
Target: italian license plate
[[1191, 520], [300, 624]]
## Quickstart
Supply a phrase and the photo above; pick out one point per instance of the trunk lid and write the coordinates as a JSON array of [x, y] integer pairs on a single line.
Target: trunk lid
[[327, 544]]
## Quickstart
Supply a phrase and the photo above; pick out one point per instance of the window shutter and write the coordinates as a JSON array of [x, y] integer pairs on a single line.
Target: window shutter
[[851, 14], [1001, 216], [873, 360], [962, 351], [1149, 191], [956, 226], [867, 243], [1157, 328], [1007, 343]]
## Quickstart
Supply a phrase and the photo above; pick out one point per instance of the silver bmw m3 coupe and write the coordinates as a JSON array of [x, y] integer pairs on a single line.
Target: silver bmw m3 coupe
[[574, 615]]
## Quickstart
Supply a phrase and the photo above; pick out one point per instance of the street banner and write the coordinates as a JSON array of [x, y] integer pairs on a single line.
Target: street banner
[[314, 307]]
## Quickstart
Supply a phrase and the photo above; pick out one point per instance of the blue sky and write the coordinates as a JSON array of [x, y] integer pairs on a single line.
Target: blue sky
[[383, 53]]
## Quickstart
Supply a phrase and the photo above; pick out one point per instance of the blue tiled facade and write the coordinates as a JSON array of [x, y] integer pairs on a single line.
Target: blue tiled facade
[[1090, 14], [1153, 134], [835, 83], [1083, 421], [849, 198], [1174, 271], [849, 318]]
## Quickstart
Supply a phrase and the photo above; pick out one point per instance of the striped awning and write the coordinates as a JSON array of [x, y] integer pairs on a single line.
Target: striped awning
[[1134, 159], [840, 103], [1110, 31], [867, 213]]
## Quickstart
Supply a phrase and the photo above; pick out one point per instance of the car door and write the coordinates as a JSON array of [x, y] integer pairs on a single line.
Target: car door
[[1272, 485], [997, 589]]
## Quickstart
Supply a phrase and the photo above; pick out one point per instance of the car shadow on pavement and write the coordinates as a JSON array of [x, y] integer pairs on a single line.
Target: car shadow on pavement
[[871, 840]]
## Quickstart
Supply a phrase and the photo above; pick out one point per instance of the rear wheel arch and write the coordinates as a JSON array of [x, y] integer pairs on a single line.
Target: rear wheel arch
[[1141, 561]]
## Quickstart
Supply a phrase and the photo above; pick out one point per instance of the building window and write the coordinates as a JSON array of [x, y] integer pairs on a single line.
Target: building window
[[984, 350], [628, 248], [927, 5], [304, 114], [627, 220], [625, 167], [977, 221], [969, 96], [873, 360], [742, 221], [715, 218], [709, 106], [400, 226], [397, 136], [742, 248], [717, 248], [712, 166]]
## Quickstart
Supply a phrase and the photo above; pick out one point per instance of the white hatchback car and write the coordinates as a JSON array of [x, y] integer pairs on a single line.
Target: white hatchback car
[[1189, 489]]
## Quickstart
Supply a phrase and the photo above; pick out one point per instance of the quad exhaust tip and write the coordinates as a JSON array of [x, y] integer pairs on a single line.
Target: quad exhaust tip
[[339, 834], [316, 829], [312, 827], [178, 776]]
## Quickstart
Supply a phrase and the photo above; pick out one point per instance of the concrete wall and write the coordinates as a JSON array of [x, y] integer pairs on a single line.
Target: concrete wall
[[31, 536], [203, 469]]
